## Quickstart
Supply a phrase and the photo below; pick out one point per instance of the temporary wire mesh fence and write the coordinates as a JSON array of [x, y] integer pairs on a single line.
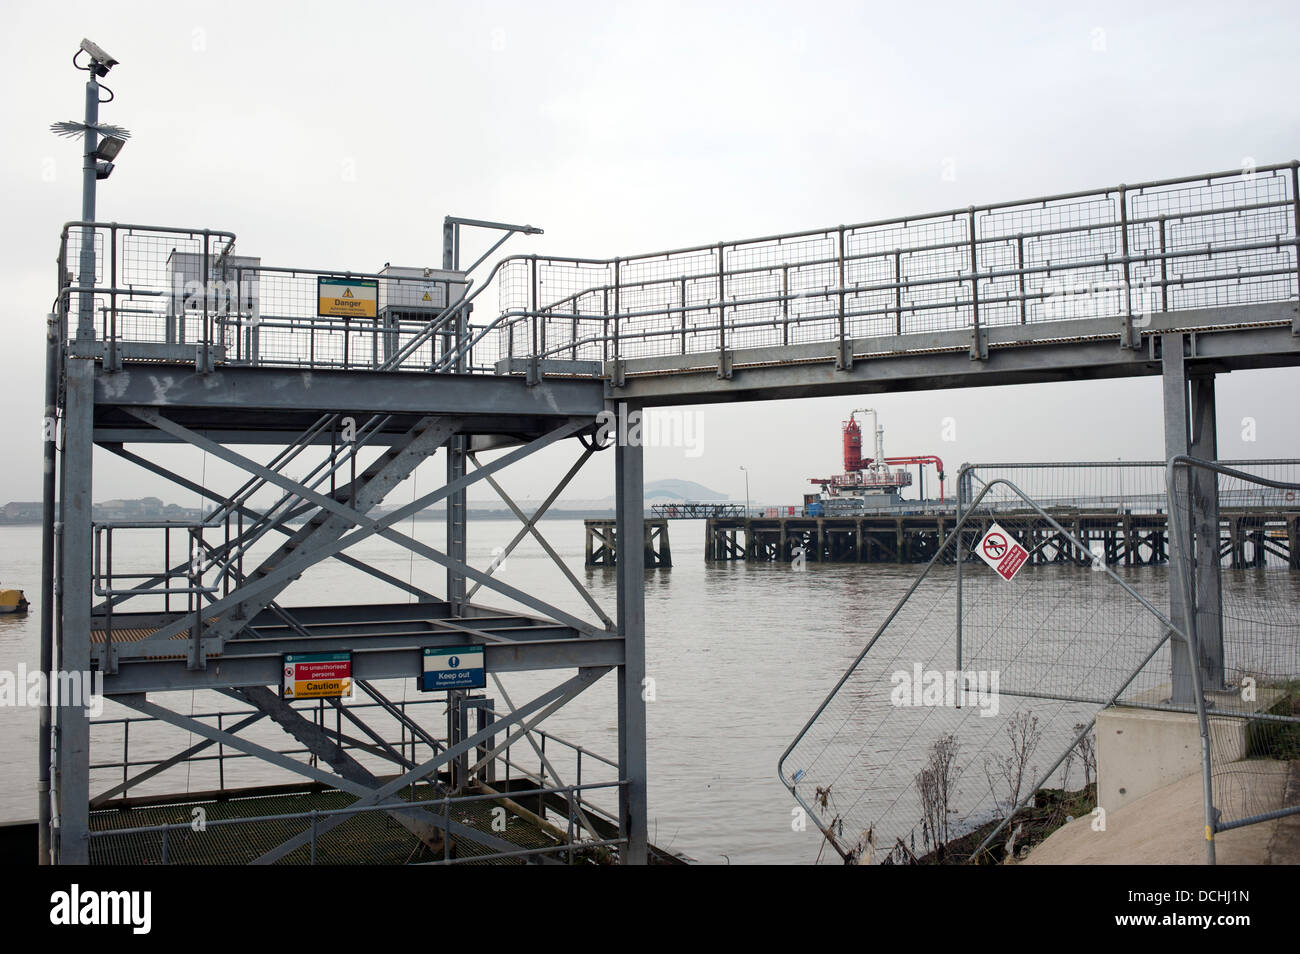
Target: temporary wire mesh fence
[[1121, 254], [1237, 553], [979, 688]]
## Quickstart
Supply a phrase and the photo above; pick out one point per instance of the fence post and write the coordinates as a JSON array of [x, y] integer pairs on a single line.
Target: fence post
[[1164, 269], [1126, 338], [1020, 268], [898, 291], [534, 358], [112, 297], [683, 288], [1295, 209], [446, 829], [977, 348], [785, 304], [618, 307], [844, 358], [570, 813], [723, 369], [207, 289]]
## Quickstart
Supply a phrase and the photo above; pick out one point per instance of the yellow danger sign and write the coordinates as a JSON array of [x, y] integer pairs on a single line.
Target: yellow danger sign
[[348, 297]]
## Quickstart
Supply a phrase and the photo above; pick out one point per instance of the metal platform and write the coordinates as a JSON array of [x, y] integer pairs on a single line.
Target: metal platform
[[351, 408]]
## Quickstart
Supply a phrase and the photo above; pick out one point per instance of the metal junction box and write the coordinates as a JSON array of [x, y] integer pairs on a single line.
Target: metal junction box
[[418, 293]]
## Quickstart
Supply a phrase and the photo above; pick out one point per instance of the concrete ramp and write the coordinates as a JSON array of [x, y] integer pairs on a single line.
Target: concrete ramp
[[1164, 827]]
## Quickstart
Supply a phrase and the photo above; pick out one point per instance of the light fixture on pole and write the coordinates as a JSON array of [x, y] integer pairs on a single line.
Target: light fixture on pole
[[97, 164], [746, 470]]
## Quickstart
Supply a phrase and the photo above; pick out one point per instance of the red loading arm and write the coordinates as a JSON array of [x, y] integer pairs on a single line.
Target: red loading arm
[[922, 460]]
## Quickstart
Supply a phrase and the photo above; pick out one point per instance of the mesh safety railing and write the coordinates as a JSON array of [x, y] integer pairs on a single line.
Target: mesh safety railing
[[1117, 254]]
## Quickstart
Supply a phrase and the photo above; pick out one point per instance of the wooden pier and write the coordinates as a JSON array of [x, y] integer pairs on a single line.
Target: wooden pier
[[1247, 537], [602, 543]]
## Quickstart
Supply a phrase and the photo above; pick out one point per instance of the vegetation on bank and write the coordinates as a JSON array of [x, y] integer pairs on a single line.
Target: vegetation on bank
[[1008, 774]]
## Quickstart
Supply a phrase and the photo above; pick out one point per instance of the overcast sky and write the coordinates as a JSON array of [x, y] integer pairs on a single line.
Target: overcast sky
[[337, 135]]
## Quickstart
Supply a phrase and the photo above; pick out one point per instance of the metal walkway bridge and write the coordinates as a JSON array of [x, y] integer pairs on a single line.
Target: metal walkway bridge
[[1077, 285]]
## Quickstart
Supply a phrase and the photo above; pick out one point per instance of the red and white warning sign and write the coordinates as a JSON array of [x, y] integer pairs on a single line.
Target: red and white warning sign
[[1000, 550]]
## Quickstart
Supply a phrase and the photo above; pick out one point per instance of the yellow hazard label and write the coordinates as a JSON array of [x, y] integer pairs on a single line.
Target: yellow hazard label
[[319, 688]]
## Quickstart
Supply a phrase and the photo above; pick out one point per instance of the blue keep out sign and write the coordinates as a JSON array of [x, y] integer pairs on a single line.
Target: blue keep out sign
[[453, 667]]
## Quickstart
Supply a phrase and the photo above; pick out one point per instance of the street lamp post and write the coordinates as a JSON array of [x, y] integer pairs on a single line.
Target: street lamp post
[[746, 470], [101, 144], [97, 164]]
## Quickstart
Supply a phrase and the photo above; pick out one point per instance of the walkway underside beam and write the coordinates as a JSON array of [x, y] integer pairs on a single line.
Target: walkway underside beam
[[219, 398], [259, 662]]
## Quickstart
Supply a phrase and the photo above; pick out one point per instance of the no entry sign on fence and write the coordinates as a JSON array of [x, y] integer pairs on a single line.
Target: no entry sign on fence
[[1000, 550]]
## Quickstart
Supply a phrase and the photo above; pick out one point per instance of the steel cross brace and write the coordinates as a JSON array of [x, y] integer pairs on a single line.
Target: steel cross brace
[[530, 526], [366, 795], [161, 767], [541, 755], [379, 479], [293, 566], [387, 705], [318, 741], [257, 515]]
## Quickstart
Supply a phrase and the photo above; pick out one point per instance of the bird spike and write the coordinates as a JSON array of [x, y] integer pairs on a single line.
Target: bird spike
[[73, 129]]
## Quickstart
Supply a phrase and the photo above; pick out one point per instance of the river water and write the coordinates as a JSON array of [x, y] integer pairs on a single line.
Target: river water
[[740, 656]]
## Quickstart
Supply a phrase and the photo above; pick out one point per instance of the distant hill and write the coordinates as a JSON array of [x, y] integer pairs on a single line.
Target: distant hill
[[673, 489]]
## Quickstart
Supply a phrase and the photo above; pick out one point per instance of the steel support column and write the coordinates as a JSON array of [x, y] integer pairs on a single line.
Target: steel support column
[[630, 502], [457, 515], [1177, 441], [1204, 487], [76, 598]]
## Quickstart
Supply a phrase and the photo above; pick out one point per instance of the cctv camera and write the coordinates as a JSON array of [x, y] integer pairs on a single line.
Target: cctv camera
[[103, 62]]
